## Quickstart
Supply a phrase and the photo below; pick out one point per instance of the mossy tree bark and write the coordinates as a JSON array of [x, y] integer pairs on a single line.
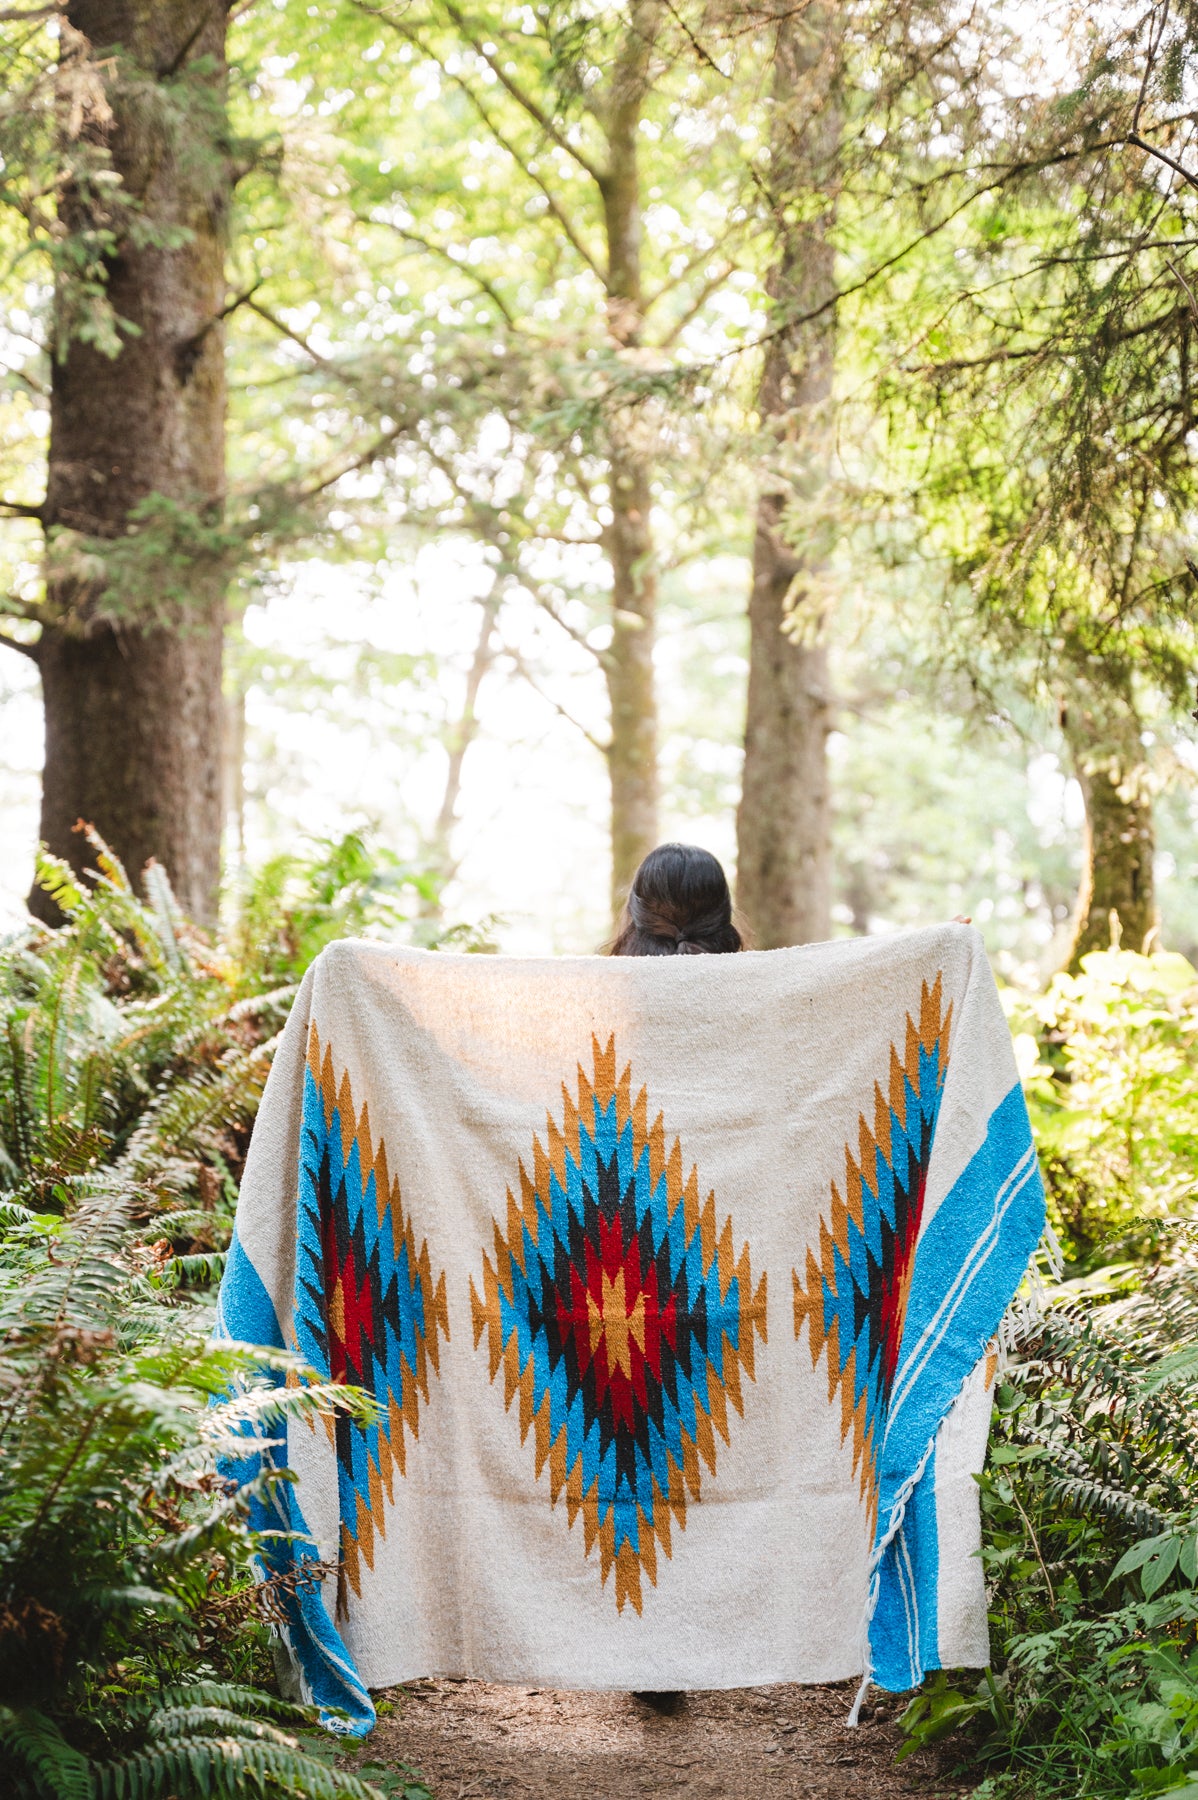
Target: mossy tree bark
[[1103, 732], [784, 819], [130, 653]]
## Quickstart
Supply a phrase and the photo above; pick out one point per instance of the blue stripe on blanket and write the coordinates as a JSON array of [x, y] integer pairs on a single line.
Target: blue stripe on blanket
[[245, 1314], [904, 1631], [956, 1304]]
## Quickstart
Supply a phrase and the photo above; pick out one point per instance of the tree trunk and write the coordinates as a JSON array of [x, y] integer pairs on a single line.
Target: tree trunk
[[628, 540], [131, 656], [458, 739], [632, 748], [1103, 733], [784, 822]]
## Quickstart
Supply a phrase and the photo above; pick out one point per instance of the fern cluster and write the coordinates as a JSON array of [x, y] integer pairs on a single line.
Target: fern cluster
[[1090, 1509], [120, 1548], [133, 1638]]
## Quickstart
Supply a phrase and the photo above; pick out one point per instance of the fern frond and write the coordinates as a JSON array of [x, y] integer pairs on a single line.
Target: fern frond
[[35, 1742], [200, 1766]]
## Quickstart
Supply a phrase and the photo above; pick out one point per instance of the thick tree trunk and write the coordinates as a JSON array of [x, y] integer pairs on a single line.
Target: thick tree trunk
[[783, 822], [628, 540], [1115, 899], [131, 659]]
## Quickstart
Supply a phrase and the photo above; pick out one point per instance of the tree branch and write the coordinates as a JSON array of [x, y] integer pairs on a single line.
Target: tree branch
[[703, 55], [696, 306], [172, 68], [522, 162], [285, 330], [241, 299], [549, 606], [32, 651], [472, 274], [371, 454], [534, 110], [522, 669], [1154, 44], [23, 509], [1133, 137], [1048, 348]]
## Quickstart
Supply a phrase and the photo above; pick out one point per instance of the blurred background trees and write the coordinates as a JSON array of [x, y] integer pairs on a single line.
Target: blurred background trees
[[769, 424]]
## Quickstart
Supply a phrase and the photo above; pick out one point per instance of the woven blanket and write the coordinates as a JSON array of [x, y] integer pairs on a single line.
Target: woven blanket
[[673, 1281]]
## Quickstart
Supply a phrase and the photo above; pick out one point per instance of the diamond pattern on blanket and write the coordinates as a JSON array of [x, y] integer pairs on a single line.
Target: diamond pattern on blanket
[[367, 1310], [622, 1319], [855, 1297]]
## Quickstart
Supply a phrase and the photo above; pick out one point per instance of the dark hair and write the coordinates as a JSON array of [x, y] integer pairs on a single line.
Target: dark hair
[[678, 905]]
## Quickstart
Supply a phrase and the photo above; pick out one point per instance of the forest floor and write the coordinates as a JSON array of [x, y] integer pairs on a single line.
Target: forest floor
[[472, 1741]]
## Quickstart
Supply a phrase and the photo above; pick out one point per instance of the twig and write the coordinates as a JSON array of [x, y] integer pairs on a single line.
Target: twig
[[696, 46], [531, 106], [1154, 44], [1031, 1531], [522, 669], [285, 330], [1133, 137]]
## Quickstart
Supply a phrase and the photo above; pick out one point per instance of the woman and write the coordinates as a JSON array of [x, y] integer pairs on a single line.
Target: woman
[[678, 905]]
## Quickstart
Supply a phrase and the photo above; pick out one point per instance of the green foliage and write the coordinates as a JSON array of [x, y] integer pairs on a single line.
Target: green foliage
[[1108, 1060], [1090, 1515], [133, 1636], [129, 1066], [298, 902], [1090, 1493], [123, 1559]]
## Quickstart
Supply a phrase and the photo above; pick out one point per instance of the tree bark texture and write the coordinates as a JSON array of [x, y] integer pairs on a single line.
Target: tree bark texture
[[131, 667], [628, 540], [1103, 733], [784, 819]]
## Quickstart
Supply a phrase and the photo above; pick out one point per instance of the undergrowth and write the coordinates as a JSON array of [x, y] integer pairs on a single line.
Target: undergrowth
[[1090, 1493], [134, 1640]]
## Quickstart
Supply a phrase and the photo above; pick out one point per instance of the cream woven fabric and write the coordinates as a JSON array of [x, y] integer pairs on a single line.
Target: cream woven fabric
[[673, 1279]]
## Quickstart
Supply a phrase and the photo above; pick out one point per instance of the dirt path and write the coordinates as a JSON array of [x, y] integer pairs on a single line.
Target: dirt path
[[472, 1741]]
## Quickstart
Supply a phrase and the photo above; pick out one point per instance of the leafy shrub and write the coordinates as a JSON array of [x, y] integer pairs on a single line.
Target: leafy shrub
[[1108, 1060], [133, 1637], [1090, 1494], [1090, 1511], [128, 1066], [296, 903], [123, 1560]]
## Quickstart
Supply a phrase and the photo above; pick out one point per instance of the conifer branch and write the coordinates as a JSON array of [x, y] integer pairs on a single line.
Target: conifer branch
[[522, 669], [439, 250], [534, 110], [521, 161], [1133, 137], [288, 331], [709, 287], [24, 509], [1154, 43]]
